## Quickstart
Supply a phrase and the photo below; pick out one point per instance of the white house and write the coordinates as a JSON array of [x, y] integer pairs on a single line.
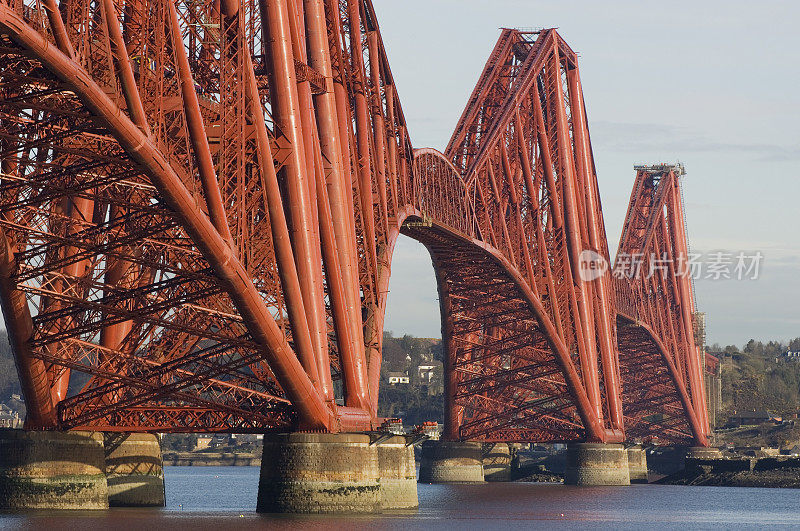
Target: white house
[[398, 378]]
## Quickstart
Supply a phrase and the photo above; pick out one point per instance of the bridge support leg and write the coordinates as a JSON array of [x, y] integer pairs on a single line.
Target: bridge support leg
[[637, 464], [398, 475], [451, 462], [134, 470], [319, 473], [594, 464], [496, 462], [51, 470]]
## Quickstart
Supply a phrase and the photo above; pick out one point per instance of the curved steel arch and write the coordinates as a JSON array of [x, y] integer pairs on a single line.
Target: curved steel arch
[[657, 405], [444, 220]]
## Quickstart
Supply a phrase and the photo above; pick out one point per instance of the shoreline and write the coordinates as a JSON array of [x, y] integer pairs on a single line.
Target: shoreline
[[765, 472], [210, 459]]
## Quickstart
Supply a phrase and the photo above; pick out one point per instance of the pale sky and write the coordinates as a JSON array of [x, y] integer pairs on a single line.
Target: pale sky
[[712, 84]]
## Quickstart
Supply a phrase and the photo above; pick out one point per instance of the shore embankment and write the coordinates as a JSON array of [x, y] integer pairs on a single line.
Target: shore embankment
[[769, 472]]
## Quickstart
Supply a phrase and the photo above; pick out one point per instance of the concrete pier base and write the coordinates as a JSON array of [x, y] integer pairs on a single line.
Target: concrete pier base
[[451, 462], [134, 470], [637, 464], [595, 464], [398, 475], [51, 470], [319, 473], [496, 462]]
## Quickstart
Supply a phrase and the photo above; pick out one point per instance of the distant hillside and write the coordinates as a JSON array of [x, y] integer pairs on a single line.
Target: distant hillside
[[400, 353], [420, 400], [759, 377], [786, 435]]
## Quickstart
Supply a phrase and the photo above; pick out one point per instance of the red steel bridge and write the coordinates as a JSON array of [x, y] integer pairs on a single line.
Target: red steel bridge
[[199, 200]]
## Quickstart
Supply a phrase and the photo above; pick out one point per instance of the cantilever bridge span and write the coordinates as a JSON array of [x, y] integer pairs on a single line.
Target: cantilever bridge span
[[198, 206]]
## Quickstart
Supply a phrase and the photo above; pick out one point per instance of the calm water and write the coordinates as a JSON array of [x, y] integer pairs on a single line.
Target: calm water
[[225, 497]]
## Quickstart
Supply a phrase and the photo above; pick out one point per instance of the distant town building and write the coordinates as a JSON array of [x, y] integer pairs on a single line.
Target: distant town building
[[228, 441], [203, 441], [9, 418], [425, 373], [398, 378], [791, 355], [751, 418], [246, 441]]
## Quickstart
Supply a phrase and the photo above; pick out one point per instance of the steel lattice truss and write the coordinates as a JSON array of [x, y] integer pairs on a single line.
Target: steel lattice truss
[[199, 202], [660, 359]]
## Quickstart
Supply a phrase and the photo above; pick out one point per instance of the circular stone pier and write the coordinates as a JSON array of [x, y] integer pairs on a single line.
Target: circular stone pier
[[398, 475], [319, 473], [451, 462], [595, 464], [134, 470], [52, 470], [637, 464]]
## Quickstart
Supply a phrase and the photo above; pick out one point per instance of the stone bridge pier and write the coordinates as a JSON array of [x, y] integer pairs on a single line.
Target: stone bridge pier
[[588, 464], [79, 470], [451, 462], [596, 464], [336, 473], [134, 470]]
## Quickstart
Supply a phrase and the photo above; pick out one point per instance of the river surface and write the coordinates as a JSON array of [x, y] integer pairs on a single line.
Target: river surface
[[225, 497]]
